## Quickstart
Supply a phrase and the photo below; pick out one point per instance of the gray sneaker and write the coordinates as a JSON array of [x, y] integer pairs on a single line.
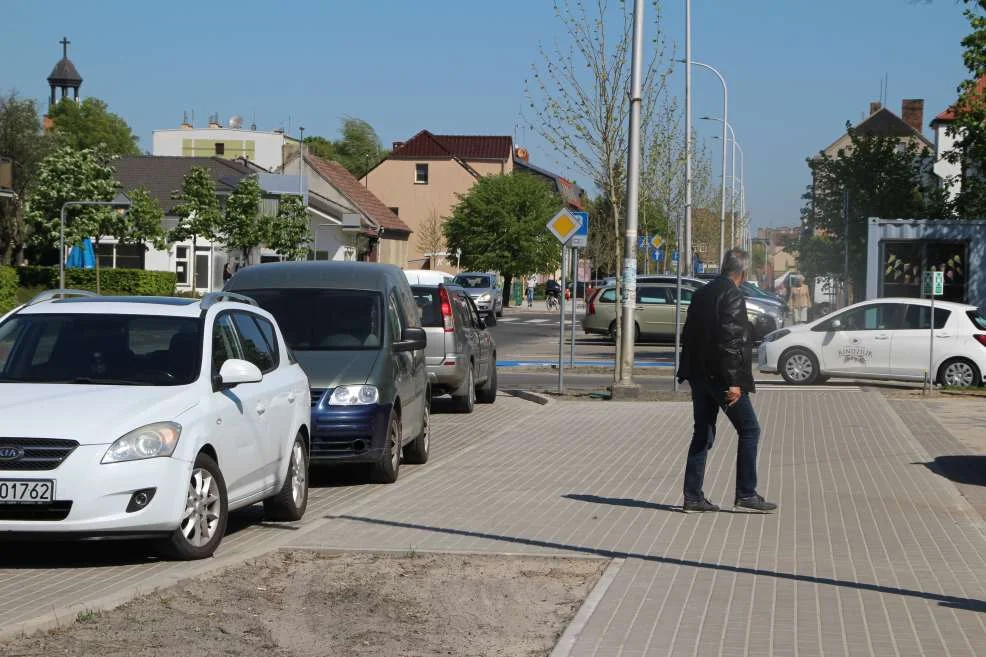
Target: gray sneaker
[[755, 503], [699, 506]]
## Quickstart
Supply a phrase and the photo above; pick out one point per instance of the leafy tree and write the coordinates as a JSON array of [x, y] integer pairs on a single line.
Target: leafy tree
[[197, 210], [90, 124], [65, 175], [22, 141], [239, 224], [359, 149], [289, 234], [320, 147], [143, 222], [883, 177], [430, 237], [500, 226]]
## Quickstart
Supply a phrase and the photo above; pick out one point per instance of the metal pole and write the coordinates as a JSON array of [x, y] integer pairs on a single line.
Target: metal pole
[[629, 301], [575, 293], [687, 255], [61, 248], [301, 164], [742, 184], [561, 325], [845, 217], [931, 357], [725, 122]]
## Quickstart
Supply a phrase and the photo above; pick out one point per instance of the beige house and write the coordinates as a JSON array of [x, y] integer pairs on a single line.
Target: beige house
[[882, 122]]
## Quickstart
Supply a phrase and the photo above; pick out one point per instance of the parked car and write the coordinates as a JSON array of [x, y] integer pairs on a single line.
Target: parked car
[[151, 417], [882, 339], [355, 328], [461, 355], [427, 277], [769, 312], [485, 290]]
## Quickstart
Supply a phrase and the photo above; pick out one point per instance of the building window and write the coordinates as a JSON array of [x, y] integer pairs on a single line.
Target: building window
[[396, 211], [121, 256], [421, 174], [904, 263], [220, 148]]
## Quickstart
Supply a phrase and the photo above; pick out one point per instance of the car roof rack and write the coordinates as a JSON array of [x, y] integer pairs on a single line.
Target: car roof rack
[[212, 298], [60, 293]]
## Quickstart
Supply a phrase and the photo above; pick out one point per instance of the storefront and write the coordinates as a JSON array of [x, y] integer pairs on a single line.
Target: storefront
[[900, 250]]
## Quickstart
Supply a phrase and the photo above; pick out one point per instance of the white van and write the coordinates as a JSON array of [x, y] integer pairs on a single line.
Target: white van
[[428, 277]]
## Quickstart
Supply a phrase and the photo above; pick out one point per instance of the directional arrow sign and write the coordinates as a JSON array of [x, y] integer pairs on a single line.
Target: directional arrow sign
[[564, 225]]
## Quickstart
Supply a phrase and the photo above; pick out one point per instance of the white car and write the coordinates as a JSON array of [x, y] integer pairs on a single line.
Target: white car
[[148, 417], [882, 339]]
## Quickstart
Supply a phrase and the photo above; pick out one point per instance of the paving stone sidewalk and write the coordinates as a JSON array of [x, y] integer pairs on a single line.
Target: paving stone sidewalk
[[872, 552]]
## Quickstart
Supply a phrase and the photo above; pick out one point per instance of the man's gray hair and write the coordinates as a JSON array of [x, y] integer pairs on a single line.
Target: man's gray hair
[[736, 261]]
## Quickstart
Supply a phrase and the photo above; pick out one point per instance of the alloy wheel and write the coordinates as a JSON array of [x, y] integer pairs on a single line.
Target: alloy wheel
[[395, 445], [959, 375], [202, 506], [798, 367], [299, 473]]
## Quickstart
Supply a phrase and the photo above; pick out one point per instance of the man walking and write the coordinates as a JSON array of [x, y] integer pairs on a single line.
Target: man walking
[[717, 362]]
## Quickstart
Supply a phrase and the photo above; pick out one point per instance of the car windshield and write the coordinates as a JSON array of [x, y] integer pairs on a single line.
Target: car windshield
[[473, 282], [977, 318], [323, 320], [140, 350]]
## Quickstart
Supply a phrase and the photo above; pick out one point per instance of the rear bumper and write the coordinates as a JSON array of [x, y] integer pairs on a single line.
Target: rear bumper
[[349, 434], [449, 374]]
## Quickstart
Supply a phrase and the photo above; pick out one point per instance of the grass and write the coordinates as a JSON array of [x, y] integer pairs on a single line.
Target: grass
[[86, 616]]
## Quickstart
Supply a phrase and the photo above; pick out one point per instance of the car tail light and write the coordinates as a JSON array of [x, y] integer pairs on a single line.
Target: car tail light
[[448, 321], [591, 310], [981, 339]]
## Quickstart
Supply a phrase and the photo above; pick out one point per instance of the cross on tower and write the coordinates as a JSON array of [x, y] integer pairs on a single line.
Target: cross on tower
[[65, 43]]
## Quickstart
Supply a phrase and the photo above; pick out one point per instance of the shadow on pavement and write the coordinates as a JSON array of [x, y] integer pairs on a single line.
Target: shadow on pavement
[[966, 604], [963, 469]]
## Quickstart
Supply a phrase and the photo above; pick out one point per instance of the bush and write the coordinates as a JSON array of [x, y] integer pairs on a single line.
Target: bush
[[8, 289], [120, 281]]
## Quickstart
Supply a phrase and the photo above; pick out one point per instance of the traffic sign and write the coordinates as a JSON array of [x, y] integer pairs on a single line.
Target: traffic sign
[[656, 241], [658, 255], [581, 238], [564, 225], [674, 256], [641, 241], [933, 283]]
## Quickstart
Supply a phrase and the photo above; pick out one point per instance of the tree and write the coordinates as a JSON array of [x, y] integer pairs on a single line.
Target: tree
[[197, 210], [289, 234], [319, 147], [65, 175], [880, 177], [239, 224], [22, 141], [431, 239], [90, 124], [143, 221], [500, 226], [359, 149]]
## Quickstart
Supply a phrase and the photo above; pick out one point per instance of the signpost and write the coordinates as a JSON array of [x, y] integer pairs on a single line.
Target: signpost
[[933, 285], [564, 226]]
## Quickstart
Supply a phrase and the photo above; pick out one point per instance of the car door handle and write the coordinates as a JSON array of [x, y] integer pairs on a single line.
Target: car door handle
[[943, 335], [882, 336], [261, 409]]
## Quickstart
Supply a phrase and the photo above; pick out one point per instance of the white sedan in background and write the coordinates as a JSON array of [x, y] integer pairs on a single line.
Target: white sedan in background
[[886, 339]]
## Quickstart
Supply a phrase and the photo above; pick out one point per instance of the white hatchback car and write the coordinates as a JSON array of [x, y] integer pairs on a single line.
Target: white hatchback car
[[148, 417], [882, 339]]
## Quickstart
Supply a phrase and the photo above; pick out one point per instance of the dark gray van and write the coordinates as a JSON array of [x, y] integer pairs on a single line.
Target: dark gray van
[[355, 329]]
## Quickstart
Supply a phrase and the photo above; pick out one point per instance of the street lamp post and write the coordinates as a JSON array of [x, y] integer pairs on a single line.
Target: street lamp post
[[119, 202], [732, 201], [725, 122]]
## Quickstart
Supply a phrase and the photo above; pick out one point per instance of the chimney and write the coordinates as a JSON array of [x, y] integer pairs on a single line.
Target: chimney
[[214, 121], [396, 145], [912, 111], [875, 107]]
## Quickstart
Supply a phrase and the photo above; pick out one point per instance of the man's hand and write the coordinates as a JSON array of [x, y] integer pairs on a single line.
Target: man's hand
[[733, 395]]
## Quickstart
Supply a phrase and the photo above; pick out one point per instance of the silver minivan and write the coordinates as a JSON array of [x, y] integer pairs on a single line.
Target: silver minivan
[[460, 356]]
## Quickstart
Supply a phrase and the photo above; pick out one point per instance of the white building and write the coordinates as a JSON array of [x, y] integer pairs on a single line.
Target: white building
[[268, 150], [950, 173]]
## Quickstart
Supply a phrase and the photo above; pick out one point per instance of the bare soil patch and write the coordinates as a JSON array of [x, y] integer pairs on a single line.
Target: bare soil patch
[[293, 604]]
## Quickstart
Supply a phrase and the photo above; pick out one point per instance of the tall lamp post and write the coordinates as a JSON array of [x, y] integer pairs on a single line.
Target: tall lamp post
[[725, 123], [119, 202], [732, 198]]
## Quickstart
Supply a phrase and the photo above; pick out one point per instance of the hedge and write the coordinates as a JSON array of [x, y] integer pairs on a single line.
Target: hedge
[[121, 281], [8, 289]]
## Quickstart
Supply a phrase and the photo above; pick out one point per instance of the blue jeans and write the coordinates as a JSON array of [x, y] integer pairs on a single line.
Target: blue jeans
[[706, 404]]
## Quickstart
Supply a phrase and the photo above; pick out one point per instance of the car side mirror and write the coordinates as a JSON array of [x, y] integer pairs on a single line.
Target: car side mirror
[[236, 371], [482, 323], [413, 339]]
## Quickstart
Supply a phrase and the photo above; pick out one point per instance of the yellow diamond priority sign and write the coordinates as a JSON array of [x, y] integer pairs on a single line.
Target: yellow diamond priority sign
[[564, 225], [656, 241]]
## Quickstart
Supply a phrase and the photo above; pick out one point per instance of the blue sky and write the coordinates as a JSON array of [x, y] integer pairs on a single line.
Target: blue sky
[[797, 69]]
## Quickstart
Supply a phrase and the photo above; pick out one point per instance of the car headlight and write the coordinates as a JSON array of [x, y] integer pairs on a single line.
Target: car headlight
[[485, 297], [147, 442], [776, 335], [354, 396]]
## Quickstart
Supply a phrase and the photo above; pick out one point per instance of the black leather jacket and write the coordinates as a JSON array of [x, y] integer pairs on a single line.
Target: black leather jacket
[[716, 345]]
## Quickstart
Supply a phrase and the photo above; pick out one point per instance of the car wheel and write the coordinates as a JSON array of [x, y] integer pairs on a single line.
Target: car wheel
[[291, 501], [465, 397], [799, 367], [417, 450], [959, 373], [491, 319], [203, 523], [487, 392], [386, 470], [612, 332], [499, 313]]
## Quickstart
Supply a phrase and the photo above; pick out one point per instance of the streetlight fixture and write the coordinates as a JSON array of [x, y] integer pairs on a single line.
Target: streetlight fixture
[[119, 202], [742, 179], [725, 119]]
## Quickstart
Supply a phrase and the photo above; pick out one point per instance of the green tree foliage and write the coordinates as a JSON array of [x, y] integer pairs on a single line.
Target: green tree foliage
[[289, 234], [883, 177], [500, 226], [320, 147], [197, 210], [143, 222], [359, 149], [22, 141], [239, 225], [90, 124], [65, 175]]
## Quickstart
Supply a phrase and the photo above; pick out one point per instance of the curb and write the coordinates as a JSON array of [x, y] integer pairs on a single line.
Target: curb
[[529, 396], [566, 643]]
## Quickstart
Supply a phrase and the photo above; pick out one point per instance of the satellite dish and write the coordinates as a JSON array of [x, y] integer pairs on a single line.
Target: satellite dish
[[236, 121]]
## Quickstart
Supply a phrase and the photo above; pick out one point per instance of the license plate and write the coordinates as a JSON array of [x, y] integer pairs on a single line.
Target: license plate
[[27, 490]]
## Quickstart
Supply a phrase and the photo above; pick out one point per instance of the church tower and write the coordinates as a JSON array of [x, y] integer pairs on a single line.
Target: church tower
[[64, 76]]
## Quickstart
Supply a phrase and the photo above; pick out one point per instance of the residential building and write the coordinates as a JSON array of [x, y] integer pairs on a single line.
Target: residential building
[[269, 150], [949, 173], [421, 181], [881, 122]]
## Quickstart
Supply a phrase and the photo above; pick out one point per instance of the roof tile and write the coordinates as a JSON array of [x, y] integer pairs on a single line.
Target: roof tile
[[466, 147], [364, 199]]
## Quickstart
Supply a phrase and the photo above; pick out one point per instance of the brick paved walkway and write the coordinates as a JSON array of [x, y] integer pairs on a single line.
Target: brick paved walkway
[[872, 553]]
